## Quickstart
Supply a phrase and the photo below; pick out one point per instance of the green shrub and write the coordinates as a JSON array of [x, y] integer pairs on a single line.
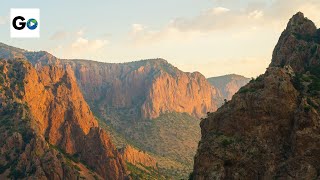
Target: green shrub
[[307, 109], [297, 82], [226, 142], [16, 174], [246, 90], [3, 168]]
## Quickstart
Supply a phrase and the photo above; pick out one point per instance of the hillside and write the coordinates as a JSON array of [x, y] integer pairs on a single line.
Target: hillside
[[48, 130], [270, 129]]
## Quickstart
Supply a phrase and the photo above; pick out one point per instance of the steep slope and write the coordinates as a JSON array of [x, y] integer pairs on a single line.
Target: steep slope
[[147, 88], [270, 129], [228, 85], [137, 157], [58, 120]]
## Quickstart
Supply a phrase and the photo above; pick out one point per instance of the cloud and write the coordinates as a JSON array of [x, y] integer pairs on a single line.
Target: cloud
[[80, 47], [3, 20], [80, 32], [219, 10], [59, 35], [273, 16], [83, 44], [256, 14]]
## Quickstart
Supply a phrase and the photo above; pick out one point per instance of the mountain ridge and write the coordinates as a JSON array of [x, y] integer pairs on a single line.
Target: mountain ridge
[[270, 127], [42, 98]]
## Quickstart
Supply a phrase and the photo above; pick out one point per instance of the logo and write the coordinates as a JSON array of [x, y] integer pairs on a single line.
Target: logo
[[32, 24], [25, 23]]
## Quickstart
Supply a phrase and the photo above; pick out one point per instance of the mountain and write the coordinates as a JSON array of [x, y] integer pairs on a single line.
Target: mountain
[[149, 104], [146, 88], [229, 84], [47, 128], [270, 128], [140, 99]]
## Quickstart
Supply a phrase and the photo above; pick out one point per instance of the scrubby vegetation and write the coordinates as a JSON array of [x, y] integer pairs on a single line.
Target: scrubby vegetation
[[141, 172]]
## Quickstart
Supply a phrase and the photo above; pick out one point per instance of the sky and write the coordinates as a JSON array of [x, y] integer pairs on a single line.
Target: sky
[[214, 37]]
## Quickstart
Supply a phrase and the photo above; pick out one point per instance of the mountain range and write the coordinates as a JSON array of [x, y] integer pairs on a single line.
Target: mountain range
[[130, 120]]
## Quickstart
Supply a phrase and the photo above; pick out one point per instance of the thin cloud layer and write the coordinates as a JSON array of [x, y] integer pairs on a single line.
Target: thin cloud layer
[[3, 20], [79, 47], [221, 18], [59, 35]]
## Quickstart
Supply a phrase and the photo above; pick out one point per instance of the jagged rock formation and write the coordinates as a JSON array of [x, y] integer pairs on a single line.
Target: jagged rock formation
[[47, 122], [228, 85], [147, 88], [270, 129], [137, 157]]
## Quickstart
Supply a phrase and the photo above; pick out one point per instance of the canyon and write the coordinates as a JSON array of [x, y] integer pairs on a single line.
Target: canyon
[[146, 106]]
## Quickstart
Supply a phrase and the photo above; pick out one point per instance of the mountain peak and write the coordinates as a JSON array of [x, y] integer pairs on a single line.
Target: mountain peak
[[298, 45], [270, 127], [301, 25]]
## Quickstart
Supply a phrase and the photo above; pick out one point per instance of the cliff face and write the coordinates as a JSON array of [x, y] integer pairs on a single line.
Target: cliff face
[[146, 88], [228, 85], [270, 129], [137, 157], [58, 117], [189, 93]]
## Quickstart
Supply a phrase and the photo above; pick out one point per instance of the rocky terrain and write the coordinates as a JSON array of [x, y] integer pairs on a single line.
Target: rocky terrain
[[48, 130], [228, 85], [149, 104], [270, 128], [137, 157]]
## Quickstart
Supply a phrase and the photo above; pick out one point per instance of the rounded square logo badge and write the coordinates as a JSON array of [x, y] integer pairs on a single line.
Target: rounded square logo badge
[[25, 23]]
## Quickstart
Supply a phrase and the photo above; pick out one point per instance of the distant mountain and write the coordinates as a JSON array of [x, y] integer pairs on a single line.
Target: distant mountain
[[146, 88], [228, 85], [270, 128], [47, 128]]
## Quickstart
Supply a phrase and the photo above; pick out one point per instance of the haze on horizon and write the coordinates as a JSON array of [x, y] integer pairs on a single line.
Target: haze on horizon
[[214, 37]]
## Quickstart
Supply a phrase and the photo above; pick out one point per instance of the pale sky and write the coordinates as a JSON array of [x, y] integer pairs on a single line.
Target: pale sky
[[214, 37]]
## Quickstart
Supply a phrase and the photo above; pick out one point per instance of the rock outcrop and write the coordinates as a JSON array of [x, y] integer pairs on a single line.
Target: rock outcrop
[[137, 157], [270, 128], [228, 85], [58, 125], [147, 88]]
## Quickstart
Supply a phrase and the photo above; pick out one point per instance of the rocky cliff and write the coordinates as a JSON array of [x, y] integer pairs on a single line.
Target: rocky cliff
[[50, 126], [228, 85], [270, 129], [147, 88], [137, 157]]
